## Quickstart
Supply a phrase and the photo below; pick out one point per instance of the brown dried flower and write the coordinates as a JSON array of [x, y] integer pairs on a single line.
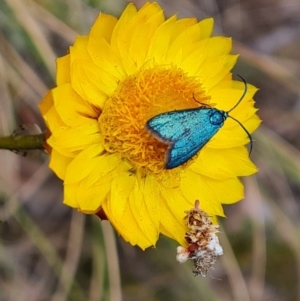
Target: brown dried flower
[[204, 247]]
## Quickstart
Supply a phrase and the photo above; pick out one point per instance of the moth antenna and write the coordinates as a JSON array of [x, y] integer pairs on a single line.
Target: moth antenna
[[204, 104], [245, 91], [248, 134]]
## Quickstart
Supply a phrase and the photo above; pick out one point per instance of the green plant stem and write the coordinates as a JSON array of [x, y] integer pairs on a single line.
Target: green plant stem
[[20, 142]]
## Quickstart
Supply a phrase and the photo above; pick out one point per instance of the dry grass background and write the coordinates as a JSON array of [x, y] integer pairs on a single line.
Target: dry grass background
[[50, 252]]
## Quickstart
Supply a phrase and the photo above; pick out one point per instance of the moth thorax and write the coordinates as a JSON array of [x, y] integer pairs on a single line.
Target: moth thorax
[[218, 117]]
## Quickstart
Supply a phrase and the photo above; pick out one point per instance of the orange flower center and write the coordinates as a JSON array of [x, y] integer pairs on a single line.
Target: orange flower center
[[138, 98]]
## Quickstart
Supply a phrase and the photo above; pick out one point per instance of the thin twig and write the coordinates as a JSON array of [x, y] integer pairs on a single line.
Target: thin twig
[[20, 142]]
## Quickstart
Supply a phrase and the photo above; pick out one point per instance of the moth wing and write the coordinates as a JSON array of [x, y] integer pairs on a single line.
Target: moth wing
[[187, 131], [200, 131], [175, 125]]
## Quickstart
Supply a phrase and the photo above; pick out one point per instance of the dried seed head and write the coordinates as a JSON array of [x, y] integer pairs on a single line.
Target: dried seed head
[[204, 247]]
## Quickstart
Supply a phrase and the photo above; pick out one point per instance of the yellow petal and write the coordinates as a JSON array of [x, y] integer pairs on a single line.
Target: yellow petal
[[89, 160], [117, 166], [206, 48], [184, 39], [233, 137], [206, 28], [252, 124], [107, 59], [135, 36], [84, 86], [75, 138], [81, 83], [173, 207], [46, 104], [195, 187], [121, 188], [79, 49], [96, 188], [118, 43], [70, 195], [147, 11], [152, 199], [214, 70], [217, 46], [240, 115], [53, 120], [59, 163], [82, 164], [137, 201], [103, 27], [193, 60], [63, 70], [141, 37], [160, 41], [224, 164], [226, 98], [225, 138], [72, 109], [182, 25], [178, 236], [91, 198], [228, 191], [128, 227], [96, 78], [125, 19]]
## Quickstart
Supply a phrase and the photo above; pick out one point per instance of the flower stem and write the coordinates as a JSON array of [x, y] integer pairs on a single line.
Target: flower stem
[[19, 142]]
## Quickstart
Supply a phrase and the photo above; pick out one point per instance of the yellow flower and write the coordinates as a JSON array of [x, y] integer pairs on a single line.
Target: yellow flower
[[109, 85]]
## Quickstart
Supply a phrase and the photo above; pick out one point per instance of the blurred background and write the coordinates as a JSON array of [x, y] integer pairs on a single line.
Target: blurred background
[[50, 252]]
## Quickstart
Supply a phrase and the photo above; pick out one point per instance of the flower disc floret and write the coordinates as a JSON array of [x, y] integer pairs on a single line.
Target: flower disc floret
[[138, 98]]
